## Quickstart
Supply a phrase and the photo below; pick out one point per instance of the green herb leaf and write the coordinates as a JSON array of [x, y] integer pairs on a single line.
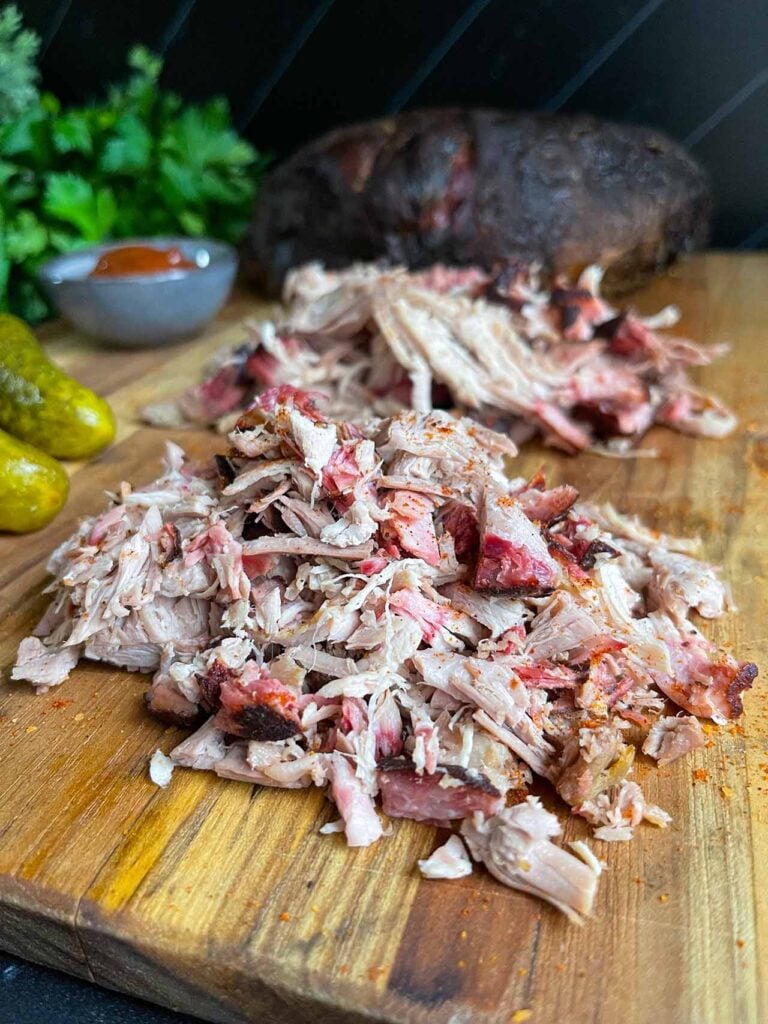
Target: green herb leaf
[[27, 136], [201, 136], [18, 74], [144, 61], [72, 199], [191, 223], [72, 133], [130, 150], [25, 236]]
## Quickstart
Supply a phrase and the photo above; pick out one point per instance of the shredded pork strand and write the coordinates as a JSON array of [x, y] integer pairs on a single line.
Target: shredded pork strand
[[377, 609], [561, 363]]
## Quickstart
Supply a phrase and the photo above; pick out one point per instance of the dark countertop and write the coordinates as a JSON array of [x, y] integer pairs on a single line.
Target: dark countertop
[[30, 994]]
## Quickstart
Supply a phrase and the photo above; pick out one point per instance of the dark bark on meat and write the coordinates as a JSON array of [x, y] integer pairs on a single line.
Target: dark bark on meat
[[586, 552], [742, 681], [210, 685], [252, 704], [482, 187], [260, 722]]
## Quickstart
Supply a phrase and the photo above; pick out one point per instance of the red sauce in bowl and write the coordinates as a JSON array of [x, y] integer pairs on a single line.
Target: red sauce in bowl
[[140, 259]]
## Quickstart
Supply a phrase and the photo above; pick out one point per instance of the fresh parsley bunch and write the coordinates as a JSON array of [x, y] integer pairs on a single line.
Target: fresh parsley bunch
[[140, 162]]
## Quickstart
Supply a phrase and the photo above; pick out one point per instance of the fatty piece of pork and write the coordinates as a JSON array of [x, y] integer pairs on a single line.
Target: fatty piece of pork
[[672, 737], [516, 846], [448, 861]]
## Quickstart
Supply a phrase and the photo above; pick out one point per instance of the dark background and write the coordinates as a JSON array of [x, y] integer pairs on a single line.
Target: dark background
[[698, 69]]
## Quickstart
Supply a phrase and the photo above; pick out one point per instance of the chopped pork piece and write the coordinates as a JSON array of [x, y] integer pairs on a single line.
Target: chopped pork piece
[[43, 666], [516, 846], [256, 706], [460, 521], [701, 680], [288, 544], [376, 608], [411, 521], [377, 338], [498, 613], [202, 749], [681, 583], [361, 822], [619, 811], [513, 557], [547, 507], [165, 702], [448, 861], [602, 760], [567, 629], [448, 793], [672, 737]]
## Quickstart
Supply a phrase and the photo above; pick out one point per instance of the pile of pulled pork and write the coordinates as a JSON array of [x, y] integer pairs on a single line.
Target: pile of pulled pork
[[378, 608], [562, 364]]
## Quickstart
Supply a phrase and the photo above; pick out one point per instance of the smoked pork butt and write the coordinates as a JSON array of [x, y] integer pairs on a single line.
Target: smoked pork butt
[[482, 187]]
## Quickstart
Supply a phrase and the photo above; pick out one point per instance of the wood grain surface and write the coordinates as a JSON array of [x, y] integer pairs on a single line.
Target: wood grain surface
[[221, 899]]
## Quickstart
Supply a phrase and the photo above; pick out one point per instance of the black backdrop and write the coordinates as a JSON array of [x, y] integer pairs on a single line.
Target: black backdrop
[[291, 68]]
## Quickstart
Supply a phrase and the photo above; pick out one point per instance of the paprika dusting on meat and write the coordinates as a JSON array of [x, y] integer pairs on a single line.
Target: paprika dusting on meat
[[140, 259]]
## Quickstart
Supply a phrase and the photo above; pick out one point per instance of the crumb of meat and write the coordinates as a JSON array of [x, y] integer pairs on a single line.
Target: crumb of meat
[[160, 769], [448, 861]]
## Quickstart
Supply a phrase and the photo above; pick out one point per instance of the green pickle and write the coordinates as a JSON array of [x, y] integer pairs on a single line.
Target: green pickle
[[33, 486], [43, 406]]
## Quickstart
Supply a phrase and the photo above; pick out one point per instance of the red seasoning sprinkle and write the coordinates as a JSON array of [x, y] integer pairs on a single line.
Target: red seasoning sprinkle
[[285, 917]]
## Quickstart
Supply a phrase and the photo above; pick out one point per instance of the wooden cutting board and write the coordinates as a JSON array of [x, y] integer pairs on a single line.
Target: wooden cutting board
[[221, 899]]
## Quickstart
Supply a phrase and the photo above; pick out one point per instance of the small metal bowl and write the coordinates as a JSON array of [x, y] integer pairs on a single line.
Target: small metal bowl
[[141, 310]]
